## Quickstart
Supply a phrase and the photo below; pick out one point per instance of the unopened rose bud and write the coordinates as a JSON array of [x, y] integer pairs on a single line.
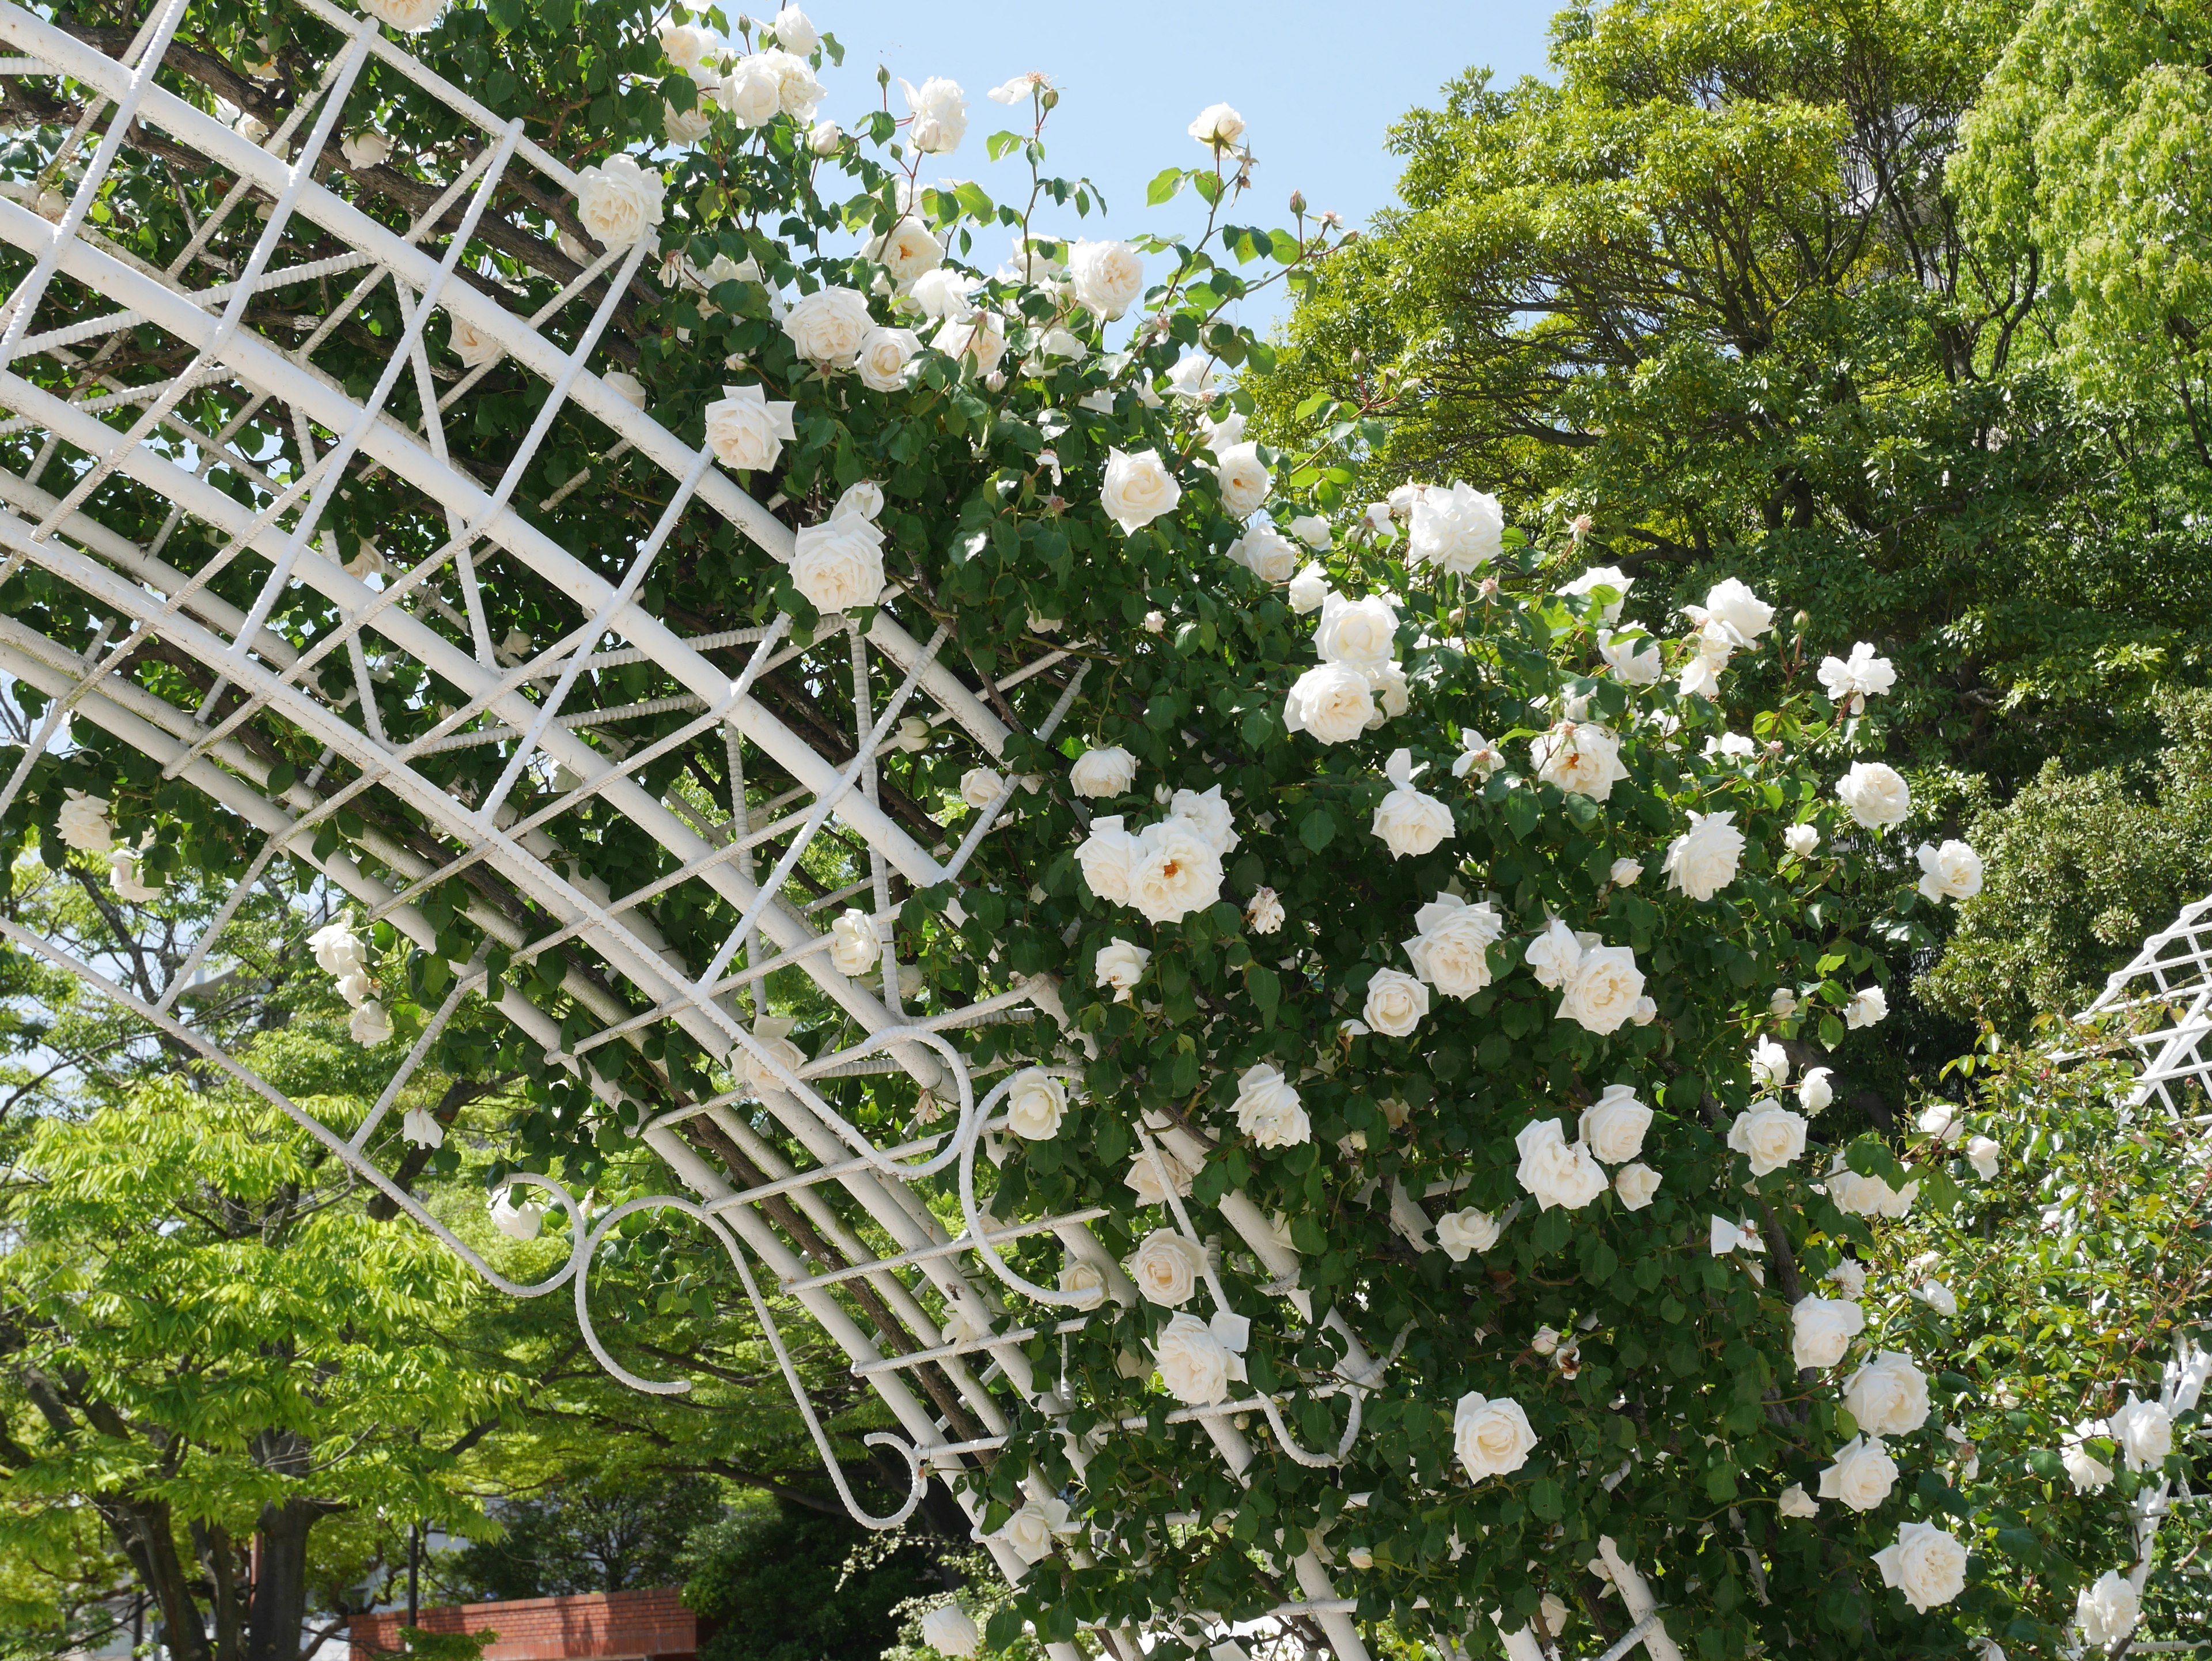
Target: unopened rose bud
[[1803, 619], [1488, 587], [1297, 202], [883, 77], [1049, 97]]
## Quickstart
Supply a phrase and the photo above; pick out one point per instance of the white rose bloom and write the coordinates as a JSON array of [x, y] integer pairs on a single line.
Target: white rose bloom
[[1782, 1003], [1106, 856], [1937, 1296], [829, 325], [127, 878], [685, 44], [795, 32], [1863, 1473], [980, 337], [1362, 633], [1223, 435], [1822, 1329], [2108, 1611], [1265, 914], [1107, 278], [747, 430], [1853, 682], [1308, 590], [370, 1026], [1105, 771], [1952, 871], [1984, 1155], [472, 344], [1580, 756], [853, 947], [772, 1035], [1143, 1177], [1705, 858], [2144, 1431], [1462, 1231], [1601, 993], [1332, 701], [948, 1630], [1603, 576], [1080, 1277], [908, 251], [420, 1127], [366, 148], [1926, 1564], [1263, 551], [1035, 1104], [1554, 1172], [2086, 1471], [1138, 488], [1636, 1184], [1887, 1396], [1634, 658], [686, 127], [1207, 814], [1406, 820], [1869, 1006], [1395, 1003], [1613, 1127], [1770, 1065], [618, 201], [1312, 530], [1850, 1274], [1192, 377], [1737, 609], [1450, 948], [1941, 1120], [338, 950], [1267, 1107], [1875, 794], [1195, 1363], [839, 563], [797, 91], [1625, 874], [1167, 1268], [1555, 954], [1645, 1013], [1769, 1135], [884, 357], [355, 989], [1217, 126], [1477, 755], [944, 292], [1796, 1502], [1031, 1530], [1802, 840], [1492, 1437], [1456, 529], [1245, 483], [517, 1219], [629, 388], [83, 824], [1173, 872], [408, 16], [980, 787], [1814, 1092], [940, 115]]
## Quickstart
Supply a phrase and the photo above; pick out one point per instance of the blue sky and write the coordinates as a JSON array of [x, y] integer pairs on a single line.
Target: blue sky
[[1319, 85]]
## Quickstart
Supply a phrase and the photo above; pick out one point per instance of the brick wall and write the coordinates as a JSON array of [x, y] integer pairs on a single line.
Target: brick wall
[[594, 1626]]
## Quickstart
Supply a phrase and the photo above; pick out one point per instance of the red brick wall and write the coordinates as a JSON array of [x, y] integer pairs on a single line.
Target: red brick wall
[[597, 1627]]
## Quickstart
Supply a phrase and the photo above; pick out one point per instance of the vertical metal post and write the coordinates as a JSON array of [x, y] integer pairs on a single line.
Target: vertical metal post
[[414, 1574]]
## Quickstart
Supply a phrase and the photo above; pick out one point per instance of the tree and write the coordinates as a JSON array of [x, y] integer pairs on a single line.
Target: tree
[[781, 1585], [606, 1531]]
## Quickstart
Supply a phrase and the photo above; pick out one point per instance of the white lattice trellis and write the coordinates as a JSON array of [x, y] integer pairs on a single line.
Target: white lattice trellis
[[2170, 981]]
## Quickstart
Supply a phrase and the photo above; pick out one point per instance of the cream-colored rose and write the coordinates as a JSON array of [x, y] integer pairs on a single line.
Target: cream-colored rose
[[1395, 1003], [1491, 1436], [1580, 756], [1636, 1185], [629, 388], [1801, 840], [906, 250], [83, 824], [1601, 993], [1267, 553], [1768, 1135], [1613, 1127], [1106, 771], [747, 430], [1205, 812], [1850, 682], [1555, 954], [1033, 1531], [829, 325], [752, 91], [1457, 530], [1195, 1364], [1952, 871], [126, 876], [1167, 1268], [1267, 1107], [949, 1631], [772, 1033], [1450, 948], [338, 950], [1821, 1330], [1265, 914], [1333, 702], [1107, 278], [517, 1219], [980, 787], [370, 1026], [1245, 483], [1138, 488], [1459, 1232], [1869, 1006], [839, 563], [619, 201], [1926, 1564], [1862, 1474], [1362, 634], [472, 344], [1121, 965], [1309, 590], [1217, 126], [1143, 1177], [1603, 576], [1984, 1155], [853, 947], [366, 148], [1705, 858], [408, 16], [1555, 1173], [685, 128], [1035, 1104], [1407, 821], [1770, 1065], [1887, 1396], [1814, 1092], [2108, 1610], [1173, 872], [795, 32], [1734, 608], [1077, 1277], [2144, 1431], [1106, 856], [940, 115], [1796, 1502], [1875, 794], [884, 357]]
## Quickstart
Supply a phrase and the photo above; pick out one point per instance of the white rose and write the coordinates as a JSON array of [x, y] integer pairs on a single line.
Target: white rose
[[370, 1026], [685, 46], [1579, 757], [1035, 1104], [1456, 530], [1267, 1107], [1138, 488], [618, 201], [980, 787], [1737, 610], [1941, 1120], [355, 989], [2108, 1611], [2144, 1431], [127, 877], [1601, 993], [686, 127], [1245, 483], [940, 115], [519, 1220], [1887, 1396], [1814, 1092], [1462, 1231], [1875, 794], [1782, 1002], [2086, 1471], [472, 344], [366, 148], [1107, 278], [1926, 1564], [1769, 1135], [906, 251], [1625, 874], [839, 563], [1079, 1277], [948, 1630], [1850, 1274], [1636, 1184], [853, 947], [1450, 948], [1173, 872], [338, 950], [1770, 1065], [1612, 1126], [1143, 1175], [1222, 436], [980, 337], [1983, 1154], [1952, 871], [1492, 1436], [1265, 914], [772, 1035], [1853, 682], [1267, 553], [829, 325], [1217, 126], [1555, 954], [1862, 1474], [1361, 633], [1408, 821], [1308, 590], [84, 825], [1391, 692], [1332, 701], [1869, 1005], [1822, 1329], [1705, 858], [1102, 772], [1167, 1268], [629, 388], [794, 33], [1796, 1502], [746, 430], [419, 1127], [1106, 855], [408, 16], [884, 357], [1121, 965], [1555, 1173], [1195, 1364], [1312, 530], [1802, 840], [1938, 1297], [943, 293], [1395, 1003], [1031, 1530], [1603, 576]]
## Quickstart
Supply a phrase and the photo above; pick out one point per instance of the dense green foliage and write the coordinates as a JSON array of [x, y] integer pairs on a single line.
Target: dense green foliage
[[781, 1585]]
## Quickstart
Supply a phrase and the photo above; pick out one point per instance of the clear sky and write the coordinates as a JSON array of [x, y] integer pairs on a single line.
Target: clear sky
[[1319, 85]]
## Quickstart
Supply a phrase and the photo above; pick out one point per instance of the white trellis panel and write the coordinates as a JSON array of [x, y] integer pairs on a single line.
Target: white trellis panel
[[2169, 982]]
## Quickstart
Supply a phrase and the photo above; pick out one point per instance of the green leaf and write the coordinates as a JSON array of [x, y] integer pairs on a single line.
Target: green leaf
[[1000, 144], [1163, 186], [1318, 828]]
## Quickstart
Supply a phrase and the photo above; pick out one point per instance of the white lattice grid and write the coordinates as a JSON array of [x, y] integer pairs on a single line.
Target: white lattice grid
[[2167, 992], [856, 1216]]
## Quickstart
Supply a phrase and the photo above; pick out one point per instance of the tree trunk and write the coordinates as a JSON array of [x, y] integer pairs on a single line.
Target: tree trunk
[[148, 1537], [280, 1585]]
